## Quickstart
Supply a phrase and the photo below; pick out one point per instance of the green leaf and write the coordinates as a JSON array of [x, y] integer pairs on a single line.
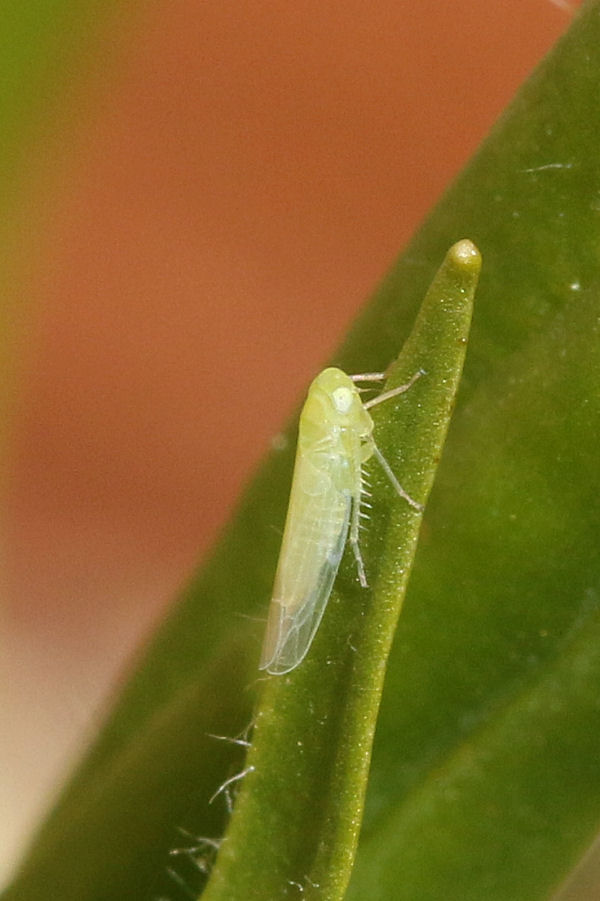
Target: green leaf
[[485, 781], [297, 818]]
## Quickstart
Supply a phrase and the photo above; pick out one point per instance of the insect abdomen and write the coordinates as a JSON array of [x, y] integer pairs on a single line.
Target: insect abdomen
[[311, 536]]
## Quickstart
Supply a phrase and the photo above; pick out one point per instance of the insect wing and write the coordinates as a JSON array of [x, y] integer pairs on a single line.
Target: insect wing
[[291, 629]]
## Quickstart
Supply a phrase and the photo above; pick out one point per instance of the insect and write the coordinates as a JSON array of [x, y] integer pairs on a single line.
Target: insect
[[335, 439]]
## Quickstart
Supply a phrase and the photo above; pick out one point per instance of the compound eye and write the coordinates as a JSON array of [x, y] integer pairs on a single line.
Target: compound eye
[[342, 399]]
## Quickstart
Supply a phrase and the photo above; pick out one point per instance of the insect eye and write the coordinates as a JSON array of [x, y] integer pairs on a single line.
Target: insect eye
[[342, 399]]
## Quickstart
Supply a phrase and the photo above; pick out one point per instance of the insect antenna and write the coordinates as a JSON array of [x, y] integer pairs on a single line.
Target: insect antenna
[[393, 392], [368, 377], [396, 484]]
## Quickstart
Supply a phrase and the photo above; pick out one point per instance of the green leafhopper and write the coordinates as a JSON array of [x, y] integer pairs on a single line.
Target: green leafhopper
[[335, 439]]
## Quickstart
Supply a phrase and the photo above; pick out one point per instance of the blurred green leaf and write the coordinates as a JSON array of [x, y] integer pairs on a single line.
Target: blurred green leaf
[[485, 780]]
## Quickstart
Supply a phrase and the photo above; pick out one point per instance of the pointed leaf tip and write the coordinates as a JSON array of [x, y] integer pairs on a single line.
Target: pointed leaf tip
[[465, 254]]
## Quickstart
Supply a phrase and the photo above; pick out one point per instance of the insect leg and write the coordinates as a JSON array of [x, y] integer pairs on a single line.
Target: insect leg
[[355, 522], [368, 377], [354, 527], [393, 392], [396, 484]]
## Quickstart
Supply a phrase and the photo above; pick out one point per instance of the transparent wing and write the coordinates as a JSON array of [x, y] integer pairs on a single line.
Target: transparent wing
[[290, 631]]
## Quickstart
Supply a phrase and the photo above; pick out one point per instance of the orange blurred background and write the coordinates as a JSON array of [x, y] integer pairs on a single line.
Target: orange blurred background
[[244, 175]]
